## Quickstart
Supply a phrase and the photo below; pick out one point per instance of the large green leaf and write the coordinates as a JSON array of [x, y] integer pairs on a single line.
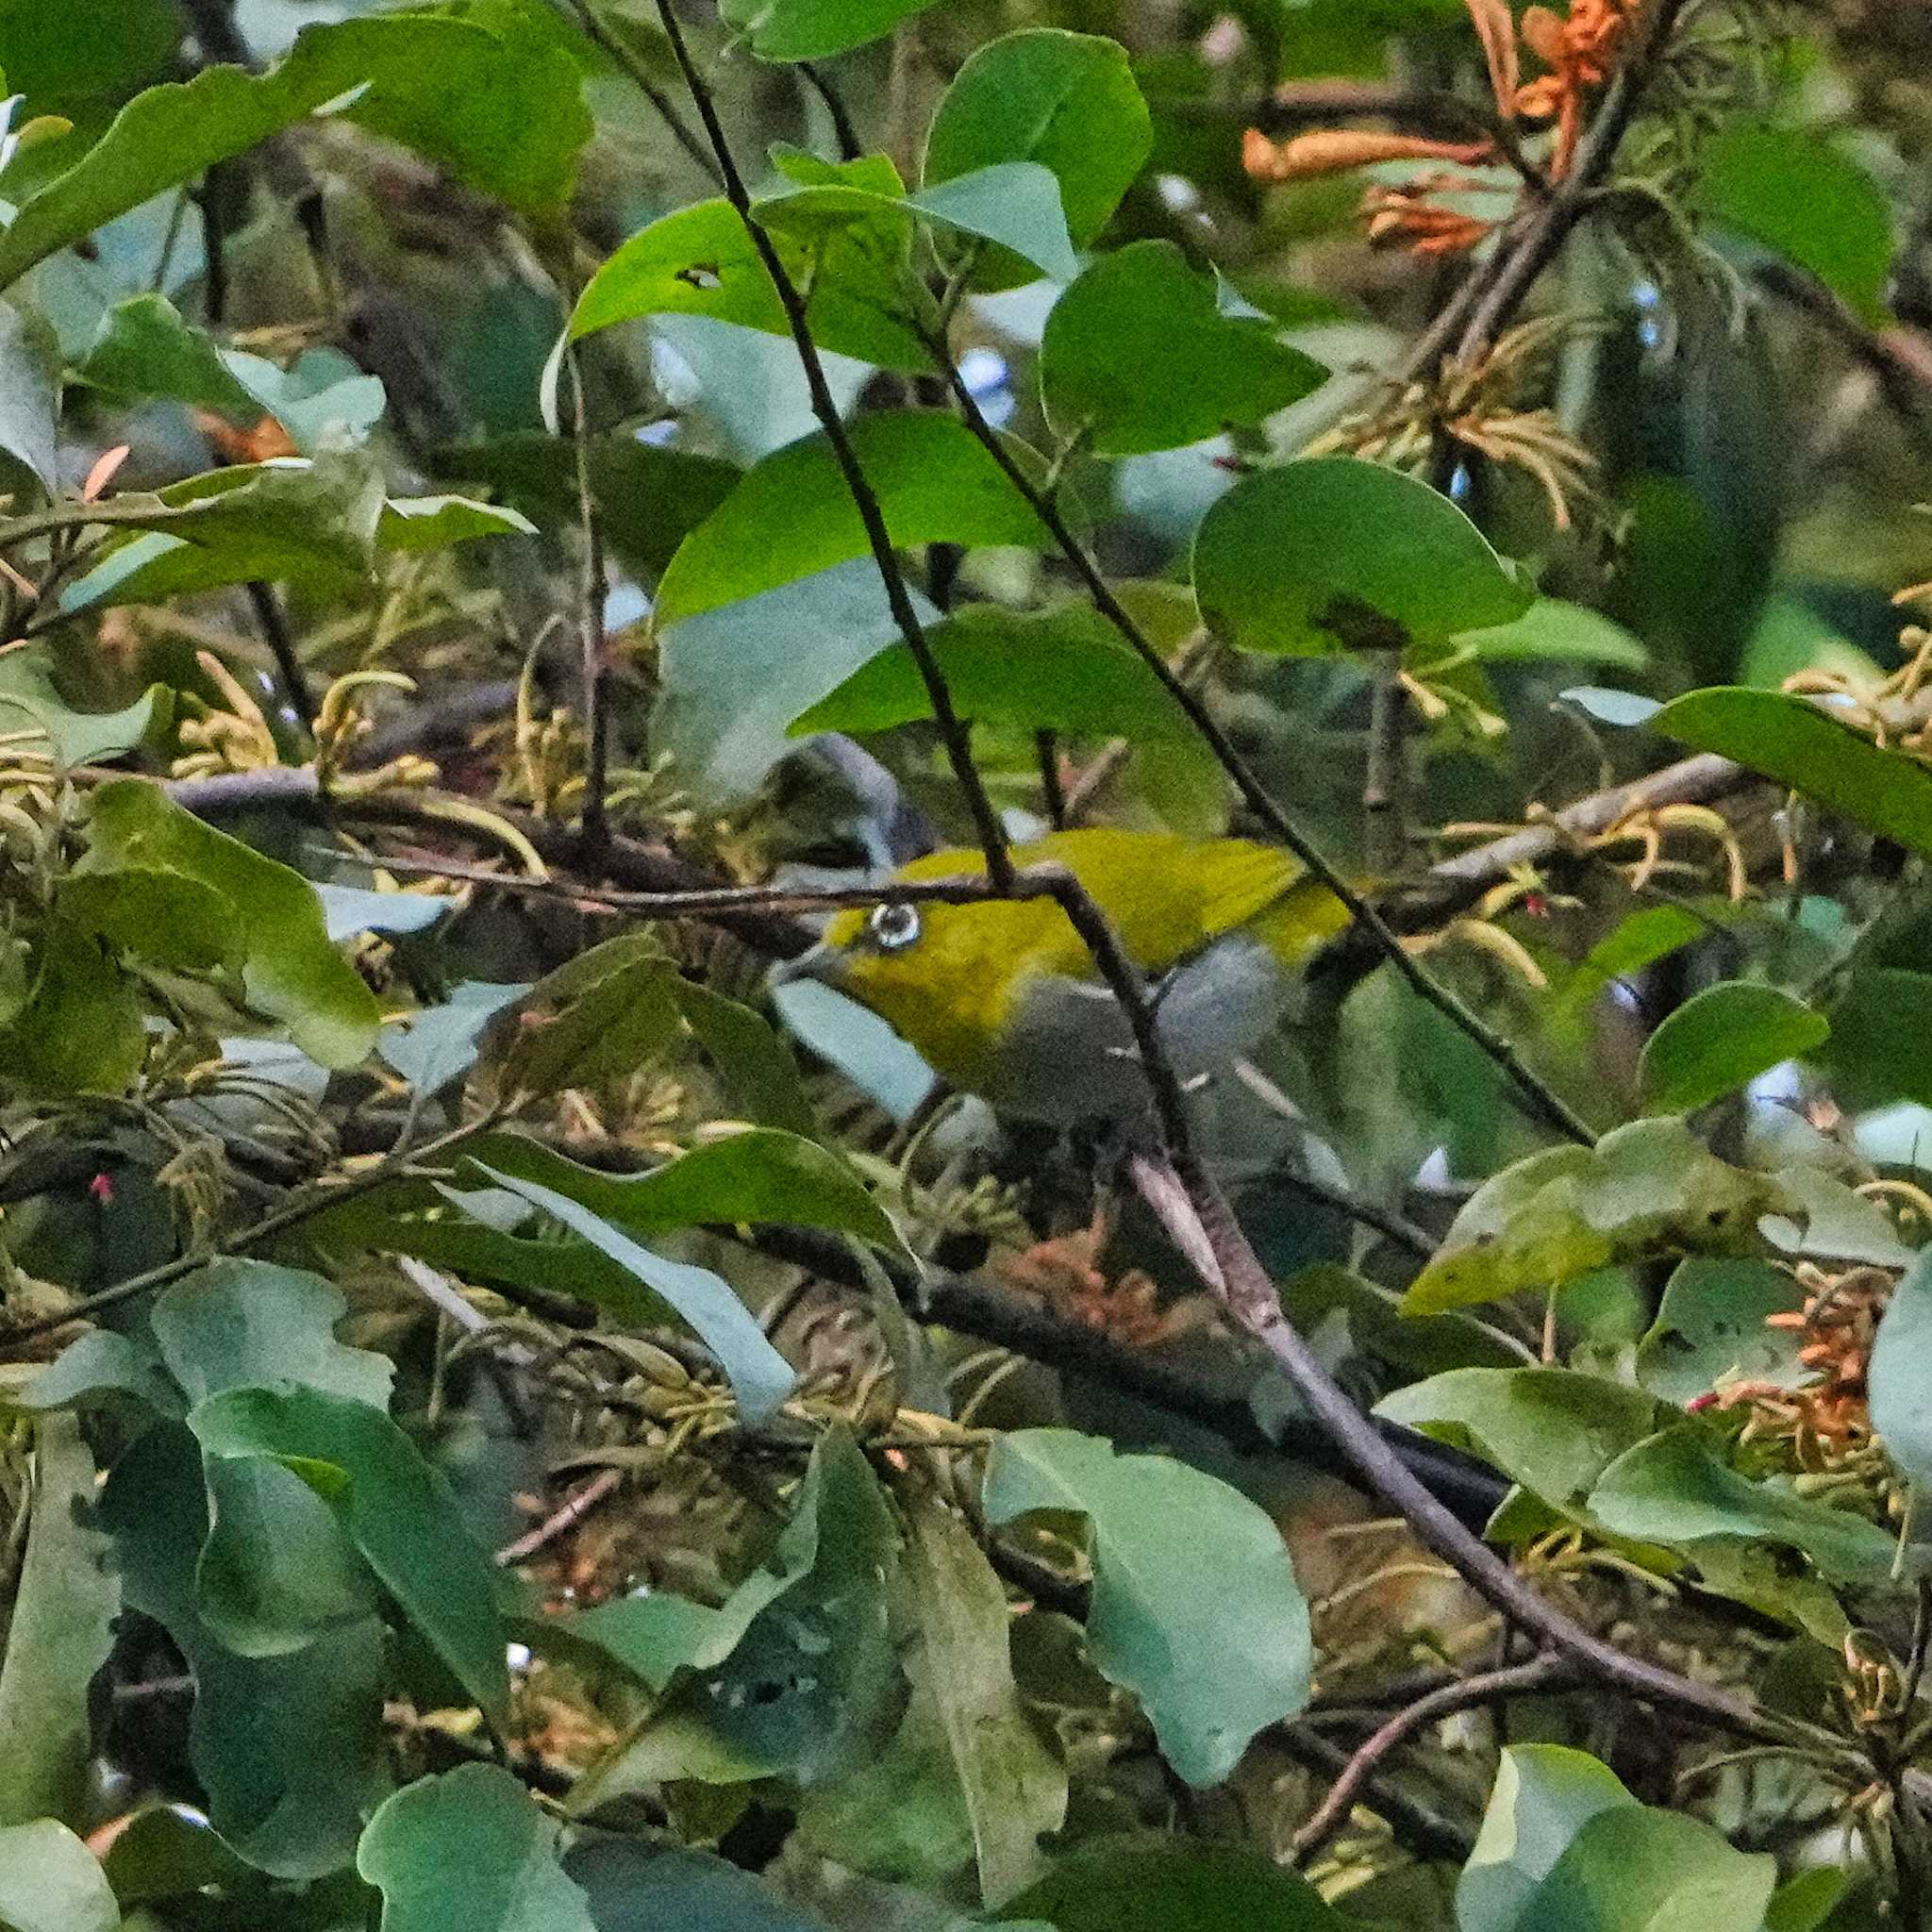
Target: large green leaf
[[507, 118], [1544, 1796], [1014, 1787], [80, 1029], [289, 968], [1559, 632], [50, 1882], [760, 1377], [701, 261], [1900, 1374], [1801, 745], [1335, 553], [397, 1512], [1634, 1868], [814, 29], [791, 515], [30, 702], [1210, 1669], [1710, 1328], [1722, 1039], [632, 1884], [1644, 1190], [1172, 1883], [58, 1635], [470, 1851], [1881, 1034], [759, 1175], [286, 1807], [31, 396], [1798, 195], [1068, 101], [1064, 669], [1137, 356], [1674, 1489], [1552, 1430]]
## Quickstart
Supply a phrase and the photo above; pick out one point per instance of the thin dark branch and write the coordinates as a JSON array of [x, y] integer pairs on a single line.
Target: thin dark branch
[[1541, 1673], [634, 71], [1053, 789], [1414, 1825], [596, 676], [1385, 808], [1536, 1092], [850, 146], [952, 728], [281, 643]]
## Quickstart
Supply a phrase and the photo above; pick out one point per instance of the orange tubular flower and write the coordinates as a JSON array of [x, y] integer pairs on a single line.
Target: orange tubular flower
[[1580, 53], [1336, 151]]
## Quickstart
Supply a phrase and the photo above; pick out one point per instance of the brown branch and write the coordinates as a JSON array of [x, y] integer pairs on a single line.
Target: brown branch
[[952, 728], [1541, 1673], [554, 1526], [1413, 1825]]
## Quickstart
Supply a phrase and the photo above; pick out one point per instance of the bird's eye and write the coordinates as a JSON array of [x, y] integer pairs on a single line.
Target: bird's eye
[[894, 926]]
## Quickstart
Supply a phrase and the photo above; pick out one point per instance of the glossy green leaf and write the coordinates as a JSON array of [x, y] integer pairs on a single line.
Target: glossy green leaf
[[1334, 554], [1553, 1430], [466, 1851], [1721, 1040], [1673, 1490], [814, 29], [1137, 355], [1901, 1374], [1064, 669], [1211, 1670], [1544, 1795], [169, 1851], [1881, 1026], [1644, 1190], [1174, 1883], [1710, 1329], [1557, 632], [396, 1510], [631, 1884], [30, 702], [1801, 745], [760, 1377], [286, 1806], [59, 1632], [80, 1029], [1797, 194], [1014, 1787], [1068, 101], [50, 1882], [793, 515], [701, 261], [290, 970], [1634, 1868], [506, 120], [31, 396]]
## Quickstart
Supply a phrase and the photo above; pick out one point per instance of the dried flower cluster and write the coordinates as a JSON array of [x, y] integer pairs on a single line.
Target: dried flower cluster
[[1578, 52]]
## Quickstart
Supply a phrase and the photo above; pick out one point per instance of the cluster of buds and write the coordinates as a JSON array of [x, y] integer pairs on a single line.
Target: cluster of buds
[[1065, 1273], [1578, 52]]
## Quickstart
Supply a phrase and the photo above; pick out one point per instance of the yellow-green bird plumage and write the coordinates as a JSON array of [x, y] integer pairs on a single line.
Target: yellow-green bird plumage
[[1003, 999]]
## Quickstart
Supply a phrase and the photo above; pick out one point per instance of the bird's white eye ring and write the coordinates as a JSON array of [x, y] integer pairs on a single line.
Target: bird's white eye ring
[[895, 926]]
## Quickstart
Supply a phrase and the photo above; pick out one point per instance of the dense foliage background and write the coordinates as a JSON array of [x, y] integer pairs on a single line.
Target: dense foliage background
[[508, 1417]]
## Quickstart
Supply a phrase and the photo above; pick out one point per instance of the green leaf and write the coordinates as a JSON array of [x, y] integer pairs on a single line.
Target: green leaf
[[1900, 1375], [1334, 554], [634, 1885], [1710, 1329], [30, 395], [1014, 1787], [1065, 669], [814, 29], [1828, 1219], [290, 970], [791, 515], [1068, 101], [1804, 747], [1880, 1025], [31, 702], [58, 1635], [1644, 1190], [101, 1366], [505, 119], [1210, 1669], [468, 1851], [50, 1882], [760, 1377], [600, 1016], [429, 522], [158, 915], [80, 1031], [1544, 1795], [1632, 1869], [1721, 1040], [701, 261], [1153, 1884], [810, 1686], [1137, 355], [1552, 1430], [1559, 632], [760, 1077], [169, 1851], [396, 1509], [1806, 200], [286, 1806], [1673, 1490]]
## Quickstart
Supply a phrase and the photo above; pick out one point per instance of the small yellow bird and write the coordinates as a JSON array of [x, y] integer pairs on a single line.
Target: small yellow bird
[[1002, 999]]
